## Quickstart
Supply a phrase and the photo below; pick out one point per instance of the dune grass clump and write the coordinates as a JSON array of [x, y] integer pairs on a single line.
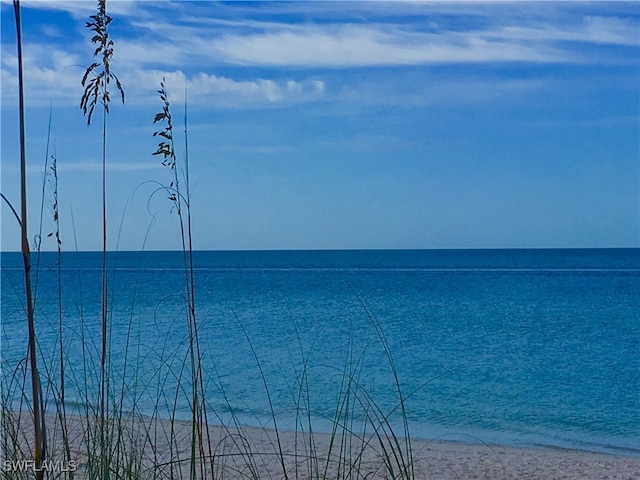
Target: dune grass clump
[[91, 420]]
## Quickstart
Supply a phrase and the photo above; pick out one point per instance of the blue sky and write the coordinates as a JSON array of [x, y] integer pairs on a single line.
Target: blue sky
[[338, 124]]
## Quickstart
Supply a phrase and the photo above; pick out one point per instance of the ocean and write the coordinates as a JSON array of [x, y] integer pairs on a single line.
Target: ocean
[[518, 347]]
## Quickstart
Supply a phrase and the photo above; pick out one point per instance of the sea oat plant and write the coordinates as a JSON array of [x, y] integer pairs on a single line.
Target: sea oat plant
[[52, 177], [182, 204], [96, 82]]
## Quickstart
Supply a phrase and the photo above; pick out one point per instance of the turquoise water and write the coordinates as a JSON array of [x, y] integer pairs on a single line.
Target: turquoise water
[[520, 347]]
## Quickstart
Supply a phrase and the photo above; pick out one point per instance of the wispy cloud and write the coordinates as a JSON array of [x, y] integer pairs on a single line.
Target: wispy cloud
[[356, 46], [192, 43], [206, 89], [81, 8], [344, 43], [57, 79], [48, 78], [596, 30]]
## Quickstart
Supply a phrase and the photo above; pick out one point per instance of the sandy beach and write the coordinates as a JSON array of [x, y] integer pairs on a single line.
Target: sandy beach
[[249, 452]]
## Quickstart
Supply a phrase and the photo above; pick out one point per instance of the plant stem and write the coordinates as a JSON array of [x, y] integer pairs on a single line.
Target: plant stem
[[104, 409], [35, 383]]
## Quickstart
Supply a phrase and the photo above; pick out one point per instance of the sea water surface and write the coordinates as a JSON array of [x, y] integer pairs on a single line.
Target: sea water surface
[[519, 347]]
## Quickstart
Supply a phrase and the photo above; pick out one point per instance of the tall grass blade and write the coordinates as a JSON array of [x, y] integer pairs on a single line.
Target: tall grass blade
[[35, 379]]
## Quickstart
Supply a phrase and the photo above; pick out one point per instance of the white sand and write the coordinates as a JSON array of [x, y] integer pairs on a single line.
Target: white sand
[[254, 452]]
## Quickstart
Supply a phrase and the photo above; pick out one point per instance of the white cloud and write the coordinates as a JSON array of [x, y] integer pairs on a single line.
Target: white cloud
[[206, 89], [341, 44], [48, 78], [356, 46], [56, 78], [82, 8], [52, 31], [598, 30], [188, 49], [141, 53]]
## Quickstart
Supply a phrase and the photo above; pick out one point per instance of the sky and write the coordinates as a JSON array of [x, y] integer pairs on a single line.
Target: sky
[[334, 125]]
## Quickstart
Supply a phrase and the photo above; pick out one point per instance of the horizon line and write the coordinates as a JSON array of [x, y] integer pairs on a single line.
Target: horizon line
[[333, 249]]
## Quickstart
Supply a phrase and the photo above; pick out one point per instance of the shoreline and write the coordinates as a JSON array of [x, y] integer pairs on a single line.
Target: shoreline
[[242, 452], [426, 434]]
